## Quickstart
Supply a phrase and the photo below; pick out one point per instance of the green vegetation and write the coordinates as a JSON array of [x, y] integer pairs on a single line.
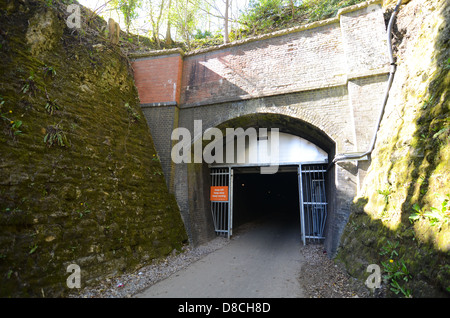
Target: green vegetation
[[83, 210], [15, 127], [402, 214], [192, 20], [132, 113], [271, 15], [29, 85], [55, 136], [128, 8], [394, 267], [33, 249], [12, 127], [389, 249], [51, 106], [70, 191], [265, 16], [385, 193], [49, 71], [436, 216]]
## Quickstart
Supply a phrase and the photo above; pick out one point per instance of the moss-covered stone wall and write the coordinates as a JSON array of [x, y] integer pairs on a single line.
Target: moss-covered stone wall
[[401, 217], [80, 180]]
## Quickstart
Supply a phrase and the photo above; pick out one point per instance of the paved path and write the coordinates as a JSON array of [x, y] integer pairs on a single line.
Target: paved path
[[261, 262]]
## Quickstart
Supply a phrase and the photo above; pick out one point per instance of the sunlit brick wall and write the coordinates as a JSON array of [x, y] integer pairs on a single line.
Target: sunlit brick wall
[[158, 78]]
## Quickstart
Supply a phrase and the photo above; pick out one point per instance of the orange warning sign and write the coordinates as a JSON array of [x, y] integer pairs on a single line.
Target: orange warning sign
[[219, 193]]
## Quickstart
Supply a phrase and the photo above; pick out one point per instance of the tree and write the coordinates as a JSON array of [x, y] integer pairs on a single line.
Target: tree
[[168, 35], [156, 12], [291, 2], [226, 38], [222, 13], [129, 10], [184, 15]]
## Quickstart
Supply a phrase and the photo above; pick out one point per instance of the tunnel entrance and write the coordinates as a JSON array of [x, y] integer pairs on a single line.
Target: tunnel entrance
[[300, 145], [265, 196], [296, 194], [246, 188]]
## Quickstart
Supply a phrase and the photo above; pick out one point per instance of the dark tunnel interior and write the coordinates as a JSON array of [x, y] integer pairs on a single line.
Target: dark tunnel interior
[[262, 197]]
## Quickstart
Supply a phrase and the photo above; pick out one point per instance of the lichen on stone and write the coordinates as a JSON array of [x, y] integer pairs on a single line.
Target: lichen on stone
[[95, 201], [410, 169]]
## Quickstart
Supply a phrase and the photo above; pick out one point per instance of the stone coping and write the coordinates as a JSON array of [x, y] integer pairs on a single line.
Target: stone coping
[[156, 53]]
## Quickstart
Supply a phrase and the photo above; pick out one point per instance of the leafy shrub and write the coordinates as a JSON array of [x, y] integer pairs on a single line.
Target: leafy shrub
[[269, 15]]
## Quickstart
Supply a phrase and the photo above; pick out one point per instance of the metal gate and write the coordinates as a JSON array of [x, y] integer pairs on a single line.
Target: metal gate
[[221, 197], [313, 203]]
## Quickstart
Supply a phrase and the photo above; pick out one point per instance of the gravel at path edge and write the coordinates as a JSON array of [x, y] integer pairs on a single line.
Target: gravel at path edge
[[127, 285], [322, 278], [319, 276]]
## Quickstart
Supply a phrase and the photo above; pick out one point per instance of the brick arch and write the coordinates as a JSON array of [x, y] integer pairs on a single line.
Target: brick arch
[[286, 122], [314, 117], [195, 176]]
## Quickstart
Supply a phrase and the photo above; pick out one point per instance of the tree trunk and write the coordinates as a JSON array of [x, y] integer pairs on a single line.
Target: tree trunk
[[226, 37], [185, 31], [158, 41], [169, 41], [168, 35], [292, 8]]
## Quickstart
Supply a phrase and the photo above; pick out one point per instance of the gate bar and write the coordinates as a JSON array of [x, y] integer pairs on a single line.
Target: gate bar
[[230, 202], [300, 197]]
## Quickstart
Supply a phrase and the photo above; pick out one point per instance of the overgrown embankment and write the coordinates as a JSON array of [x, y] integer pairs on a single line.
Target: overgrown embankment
[[80, 180], [401, 218]]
